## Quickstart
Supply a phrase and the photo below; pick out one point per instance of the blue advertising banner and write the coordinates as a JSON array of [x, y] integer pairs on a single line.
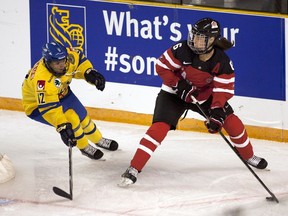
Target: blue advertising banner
[[123, 40]]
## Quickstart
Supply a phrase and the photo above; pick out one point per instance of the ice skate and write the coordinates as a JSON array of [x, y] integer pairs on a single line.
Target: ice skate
[[108, 144], [92, 152], [128, 177], [257, 162]]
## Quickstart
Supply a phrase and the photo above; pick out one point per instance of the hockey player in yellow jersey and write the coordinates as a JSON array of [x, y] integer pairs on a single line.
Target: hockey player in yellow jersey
[[47, 98]]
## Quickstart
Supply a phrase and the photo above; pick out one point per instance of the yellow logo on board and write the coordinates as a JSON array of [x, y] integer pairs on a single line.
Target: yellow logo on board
[[62, 31]]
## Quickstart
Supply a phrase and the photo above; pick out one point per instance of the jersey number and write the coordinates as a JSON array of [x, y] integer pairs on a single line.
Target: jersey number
[[176, 46], [41, 98]]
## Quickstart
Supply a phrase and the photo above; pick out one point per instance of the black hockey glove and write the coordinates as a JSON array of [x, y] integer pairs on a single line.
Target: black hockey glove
[[95, 78], [185, 90], [215, 120], [67, 134]]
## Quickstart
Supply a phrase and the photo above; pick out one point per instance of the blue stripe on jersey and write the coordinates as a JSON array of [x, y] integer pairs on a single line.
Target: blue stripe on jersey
[[54, 104], [51, 108]]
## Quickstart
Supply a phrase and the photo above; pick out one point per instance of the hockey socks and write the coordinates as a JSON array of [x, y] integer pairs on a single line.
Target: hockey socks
[[148, 144], [238, 135]]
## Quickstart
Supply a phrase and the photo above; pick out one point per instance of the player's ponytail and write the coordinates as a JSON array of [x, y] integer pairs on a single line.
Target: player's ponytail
[[223, 43]]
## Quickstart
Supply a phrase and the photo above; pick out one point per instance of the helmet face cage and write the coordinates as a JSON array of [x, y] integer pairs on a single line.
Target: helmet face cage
[[202, 42], [54, 52], [202, 31]]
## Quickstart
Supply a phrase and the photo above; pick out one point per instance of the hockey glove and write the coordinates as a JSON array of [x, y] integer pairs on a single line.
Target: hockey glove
[[184, 90], [216, 120], [95, 78], [67, 134]]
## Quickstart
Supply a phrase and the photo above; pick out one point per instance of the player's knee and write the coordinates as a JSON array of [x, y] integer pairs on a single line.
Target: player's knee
[[158, 131], [86, 122], [233, 125], [88, 126]]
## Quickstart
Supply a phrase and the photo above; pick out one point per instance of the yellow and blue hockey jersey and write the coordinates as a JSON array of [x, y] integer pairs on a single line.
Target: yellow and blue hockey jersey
[[42, 90]]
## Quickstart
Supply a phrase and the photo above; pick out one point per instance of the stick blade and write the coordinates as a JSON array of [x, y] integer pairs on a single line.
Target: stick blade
[[62, 193], [272, 198]]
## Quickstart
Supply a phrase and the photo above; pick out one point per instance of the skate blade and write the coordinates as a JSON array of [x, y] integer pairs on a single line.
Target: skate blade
[[125, 182]]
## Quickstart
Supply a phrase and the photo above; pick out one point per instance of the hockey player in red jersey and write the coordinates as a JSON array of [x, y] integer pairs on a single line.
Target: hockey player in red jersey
[[195, 68], [48, 98]]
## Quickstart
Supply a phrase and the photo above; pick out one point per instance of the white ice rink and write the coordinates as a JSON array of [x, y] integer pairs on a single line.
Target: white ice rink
[[190, 174]]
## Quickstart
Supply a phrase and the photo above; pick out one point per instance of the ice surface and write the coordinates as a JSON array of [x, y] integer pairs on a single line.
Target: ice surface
[[189, 174]]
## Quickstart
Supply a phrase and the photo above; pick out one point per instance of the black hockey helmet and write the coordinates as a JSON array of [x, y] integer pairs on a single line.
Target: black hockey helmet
[[206, 28]]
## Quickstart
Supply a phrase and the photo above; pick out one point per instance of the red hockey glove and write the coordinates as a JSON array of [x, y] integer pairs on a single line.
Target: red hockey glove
[[216, 120], [184, 90], [95, 78], [67, 134]]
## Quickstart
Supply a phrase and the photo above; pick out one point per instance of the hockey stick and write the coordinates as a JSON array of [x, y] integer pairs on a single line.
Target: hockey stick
[[61, 192], [273, 197]]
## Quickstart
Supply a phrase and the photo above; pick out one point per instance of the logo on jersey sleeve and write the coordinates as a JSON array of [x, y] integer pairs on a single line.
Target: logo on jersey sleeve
[[57, 82], [40, 85]]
